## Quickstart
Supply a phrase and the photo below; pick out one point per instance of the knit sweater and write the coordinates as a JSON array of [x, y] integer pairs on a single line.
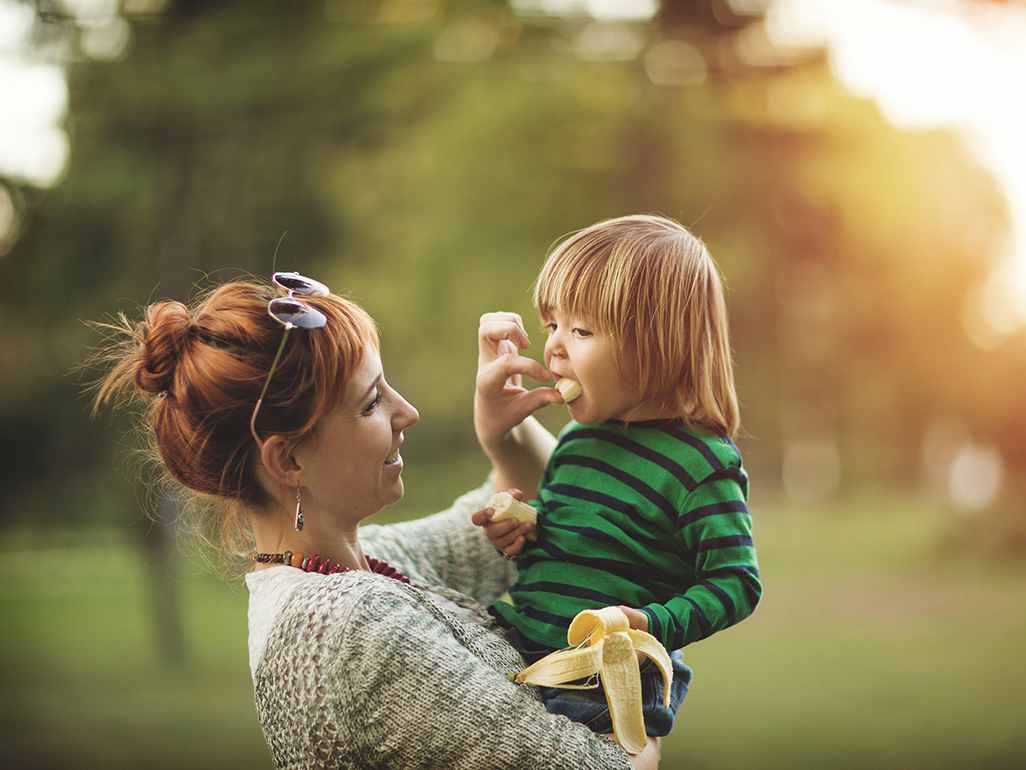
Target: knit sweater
[[358, 670], [649, 515]]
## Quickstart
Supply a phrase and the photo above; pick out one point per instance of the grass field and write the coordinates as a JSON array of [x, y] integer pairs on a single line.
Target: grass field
[[870, 650]]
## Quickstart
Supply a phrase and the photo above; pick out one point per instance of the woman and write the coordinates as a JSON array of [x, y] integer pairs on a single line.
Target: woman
[[369, 648]]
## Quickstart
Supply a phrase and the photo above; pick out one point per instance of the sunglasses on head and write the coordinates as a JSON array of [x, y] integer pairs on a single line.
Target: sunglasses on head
[[290, 312]]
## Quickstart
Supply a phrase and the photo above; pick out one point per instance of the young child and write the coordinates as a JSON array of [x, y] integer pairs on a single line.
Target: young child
[[643, 502]]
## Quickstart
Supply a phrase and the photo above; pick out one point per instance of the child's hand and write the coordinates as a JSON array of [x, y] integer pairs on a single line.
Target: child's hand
[[507, 536], [639, 621], [636, 618]]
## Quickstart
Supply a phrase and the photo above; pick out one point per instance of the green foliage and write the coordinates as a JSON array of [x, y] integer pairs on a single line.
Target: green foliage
[[432, 189]]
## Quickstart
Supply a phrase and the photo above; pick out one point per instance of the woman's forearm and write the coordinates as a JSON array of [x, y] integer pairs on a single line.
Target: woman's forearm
[[516, 443], [519, 458]]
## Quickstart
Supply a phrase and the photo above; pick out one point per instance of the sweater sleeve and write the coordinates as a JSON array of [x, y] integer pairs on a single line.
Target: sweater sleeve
[[374, 677], [715, 534], [445, 549]]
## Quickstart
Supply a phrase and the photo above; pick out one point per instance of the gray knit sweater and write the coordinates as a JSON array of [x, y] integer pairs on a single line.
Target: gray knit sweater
[[362, 671]]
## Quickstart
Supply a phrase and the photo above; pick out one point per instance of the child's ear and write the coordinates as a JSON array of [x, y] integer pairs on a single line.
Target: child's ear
[[279, 461]]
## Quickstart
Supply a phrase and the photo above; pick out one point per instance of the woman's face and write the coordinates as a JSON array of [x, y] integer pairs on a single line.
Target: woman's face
[[350, 468]]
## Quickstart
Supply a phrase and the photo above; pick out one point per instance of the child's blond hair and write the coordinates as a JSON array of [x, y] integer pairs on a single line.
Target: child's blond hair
[[653, 286]]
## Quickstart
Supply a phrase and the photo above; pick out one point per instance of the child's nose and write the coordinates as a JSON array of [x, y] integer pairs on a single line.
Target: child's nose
[[553, 346]]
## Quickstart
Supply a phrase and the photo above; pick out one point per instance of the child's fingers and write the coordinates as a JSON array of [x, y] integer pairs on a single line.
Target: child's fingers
[[502, 532], [636, 618], [522, 529], [482, 517], [513, 542], [504, 535], [507, 535], [516, 547]]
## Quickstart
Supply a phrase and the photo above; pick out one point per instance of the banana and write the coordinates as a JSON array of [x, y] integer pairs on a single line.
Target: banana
[[603, 643], [508, 507], [568, 389]]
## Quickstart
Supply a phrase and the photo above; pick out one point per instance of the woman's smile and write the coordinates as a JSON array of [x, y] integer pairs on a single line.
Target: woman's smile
[[340, 470]]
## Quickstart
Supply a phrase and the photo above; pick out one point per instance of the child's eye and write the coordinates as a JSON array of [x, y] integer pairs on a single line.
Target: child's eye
[[579, 332], [550, 328]]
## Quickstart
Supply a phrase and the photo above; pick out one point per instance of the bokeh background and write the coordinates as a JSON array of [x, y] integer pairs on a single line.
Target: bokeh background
[[855, 167]]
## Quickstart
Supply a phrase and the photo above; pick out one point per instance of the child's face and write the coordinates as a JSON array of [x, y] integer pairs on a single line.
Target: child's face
[[576, 349]]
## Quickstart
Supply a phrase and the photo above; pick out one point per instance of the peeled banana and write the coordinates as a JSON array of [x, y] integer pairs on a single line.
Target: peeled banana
[[508, 507], [568, 389], [602, 642]]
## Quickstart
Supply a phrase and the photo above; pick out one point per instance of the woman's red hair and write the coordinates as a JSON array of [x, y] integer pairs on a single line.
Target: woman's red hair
[[199, 371]]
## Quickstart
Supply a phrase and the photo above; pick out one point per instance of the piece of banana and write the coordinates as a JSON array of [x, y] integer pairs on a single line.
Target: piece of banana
[[568, 389], [508, 507], [605, 644]]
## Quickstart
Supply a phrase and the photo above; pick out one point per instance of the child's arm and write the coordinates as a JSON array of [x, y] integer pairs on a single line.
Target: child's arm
[[716, 534], [517, 444]]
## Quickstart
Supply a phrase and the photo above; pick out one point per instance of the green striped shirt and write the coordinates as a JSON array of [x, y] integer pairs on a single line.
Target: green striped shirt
[[651, 516]]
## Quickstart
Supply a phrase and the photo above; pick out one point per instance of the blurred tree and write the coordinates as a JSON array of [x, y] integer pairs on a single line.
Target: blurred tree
[[425, 155], [402, 161]]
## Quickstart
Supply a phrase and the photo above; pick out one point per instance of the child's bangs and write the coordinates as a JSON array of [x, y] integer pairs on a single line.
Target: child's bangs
[[578, 286]]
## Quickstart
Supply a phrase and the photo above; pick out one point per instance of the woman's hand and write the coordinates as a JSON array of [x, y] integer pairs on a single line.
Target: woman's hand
[[517, 445], [649, 758], [501, 402]]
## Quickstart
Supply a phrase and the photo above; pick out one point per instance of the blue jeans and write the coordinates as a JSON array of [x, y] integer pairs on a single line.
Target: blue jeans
[[589, 707]]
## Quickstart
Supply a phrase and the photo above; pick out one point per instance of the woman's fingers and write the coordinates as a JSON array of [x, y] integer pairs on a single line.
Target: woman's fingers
[[501, 403], [497, 374], [500, 334]]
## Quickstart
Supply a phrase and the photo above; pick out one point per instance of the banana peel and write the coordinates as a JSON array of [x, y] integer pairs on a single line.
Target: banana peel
[[603, 643]]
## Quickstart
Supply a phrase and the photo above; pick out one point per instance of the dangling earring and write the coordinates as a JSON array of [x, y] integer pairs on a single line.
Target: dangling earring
[[299, 512]]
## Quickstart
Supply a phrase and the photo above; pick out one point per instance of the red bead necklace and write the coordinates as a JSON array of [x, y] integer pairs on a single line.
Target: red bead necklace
[[325, 566]]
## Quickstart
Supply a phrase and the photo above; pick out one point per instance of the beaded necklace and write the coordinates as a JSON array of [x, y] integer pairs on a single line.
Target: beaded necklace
[[325, 566]]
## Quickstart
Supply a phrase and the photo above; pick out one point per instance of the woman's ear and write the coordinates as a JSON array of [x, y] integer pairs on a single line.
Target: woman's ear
[[279, 462]]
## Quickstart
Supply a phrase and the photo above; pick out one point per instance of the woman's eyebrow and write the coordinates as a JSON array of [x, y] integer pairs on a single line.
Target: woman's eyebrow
[[373, 387]]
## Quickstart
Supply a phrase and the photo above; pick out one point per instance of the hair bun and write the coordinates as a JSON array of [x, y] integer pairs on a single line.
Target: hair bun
[[166, 330]]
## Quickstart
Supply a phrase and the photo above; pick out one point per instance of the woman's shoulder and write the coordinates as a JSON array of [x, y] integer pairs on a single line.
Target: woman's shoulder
[[269, 590], [317, 607], [294, 594], [360, 616], [286, 598]]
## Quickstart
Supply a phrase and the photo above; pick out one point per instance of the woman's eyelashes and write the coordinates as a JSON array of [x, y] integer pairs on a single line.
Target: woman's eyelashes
[[375, 402]]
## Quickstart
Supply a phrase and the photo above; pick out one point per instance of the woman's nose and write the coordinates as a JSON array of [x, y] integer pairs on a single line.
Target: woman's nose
[[406, 415]]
